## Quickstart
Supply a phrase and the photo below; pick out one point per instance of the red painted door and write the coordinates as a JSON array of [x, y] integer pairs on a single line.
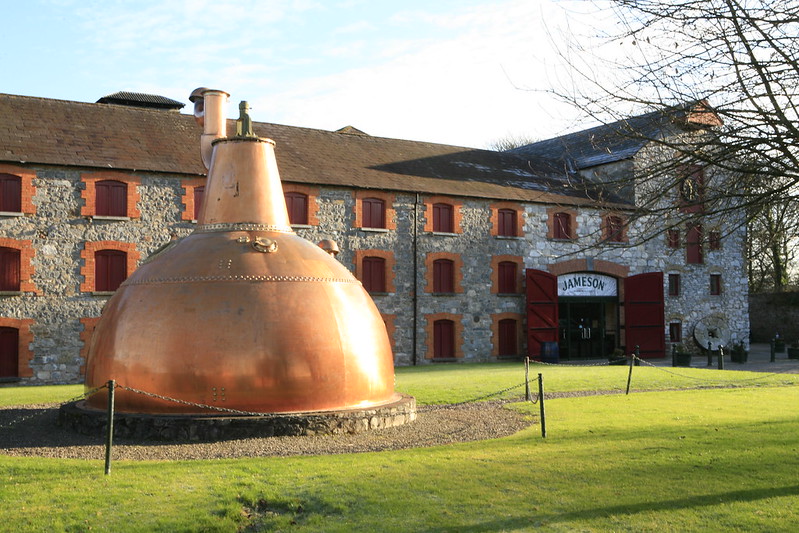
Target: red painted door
[[443, 339], [542, 310], [643, 314], [9, 353]]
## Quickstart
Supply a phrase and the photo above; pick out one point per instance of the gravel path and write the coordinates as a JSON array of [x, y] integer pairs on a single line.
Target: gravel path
[[36, 434]]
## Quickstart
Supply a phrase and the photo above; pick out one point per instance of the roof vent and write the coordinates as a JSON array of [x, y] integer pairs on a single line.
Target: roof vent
[[150, 101]]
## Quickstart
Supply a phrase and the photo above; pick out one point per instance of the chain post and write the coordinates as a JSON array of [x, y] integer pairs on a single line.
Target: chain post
[[527, 379], [721, 357], [541, 402], [109, 436], [630, 373], [773, 345], [709, 354]]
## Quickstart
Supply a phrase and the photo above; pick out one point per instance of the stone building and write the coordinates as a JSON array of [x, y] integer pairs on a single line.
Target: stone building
[[470, 255]]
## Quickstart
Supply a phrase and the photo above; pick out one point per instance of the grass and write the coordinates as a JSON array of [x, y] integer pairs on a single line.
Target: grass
[[684, 460]]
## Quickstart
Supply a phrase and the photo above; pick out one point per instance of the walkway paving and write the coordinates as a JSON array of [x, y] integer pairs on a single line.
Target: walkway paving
[[759, 360]]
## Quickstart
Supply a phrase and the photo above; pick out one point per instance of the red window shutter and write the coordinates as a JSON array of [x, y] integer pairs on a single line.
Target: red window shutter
[[110, 269], [694, 245], [673, 238], [297, 205], [507, 337], [674, 284], [442, 218], [542, 310], [111, 198], [9, 352], [643, 311], [507, 277], [374, 213], [443, 339], [563, 226], [507, 222], [199, 196], [374, 274], [443, 276], [10, 193], [9, 269]]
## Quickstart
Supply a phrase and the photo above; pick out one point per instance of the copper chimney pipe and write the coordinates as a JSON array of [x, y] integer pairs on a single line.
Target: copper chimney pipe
[[209, 112]]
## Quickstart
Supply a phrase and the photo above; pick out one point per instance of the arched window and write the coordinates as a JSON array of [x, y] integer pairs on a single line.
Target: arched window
[[443, 221], [443, 276], [443, 339], [110, 269], [111, 198], [506, 277], [10, 193], [507, 337], [297, 206], [507, 223], [9, 269], [374, 213], [9, 352], [199, 196], [562, 226], [374, 274]]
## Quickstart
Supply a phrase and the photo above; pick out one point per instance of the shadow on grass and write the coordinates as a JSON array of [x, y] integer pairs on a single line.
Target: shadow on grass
[[544, 519]]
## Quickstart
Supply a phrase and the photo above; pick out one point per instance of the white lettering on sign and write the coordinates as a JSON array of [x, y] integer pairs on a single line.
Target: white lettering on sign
[[586, 284]]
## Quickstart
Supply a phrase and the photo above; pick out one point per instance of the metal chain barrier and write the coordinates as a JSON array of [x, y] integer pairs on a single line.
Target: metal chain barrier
[[765, 375], [43, 411]]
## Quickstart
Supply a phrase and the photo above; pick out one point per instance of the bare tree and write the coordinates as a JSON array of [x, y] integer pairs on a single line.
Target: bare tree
[[738, 59]]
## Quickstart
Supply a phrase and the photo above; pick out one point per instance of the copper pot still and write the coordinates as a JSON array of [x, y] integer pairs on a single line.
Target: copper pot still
[[242, 314]]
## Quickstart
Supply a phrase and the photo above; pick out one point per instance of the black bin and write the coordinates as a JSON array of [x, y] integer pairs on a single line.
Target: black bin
[[550, 353]]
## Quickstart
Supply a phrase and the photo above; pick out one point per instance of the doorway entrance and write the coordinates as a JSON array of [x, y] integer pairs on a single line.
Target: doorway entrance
[[588, 328]]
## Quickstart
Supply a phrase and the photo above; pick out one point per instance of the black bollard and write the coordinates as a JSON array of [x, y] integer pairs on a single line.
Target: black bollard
[[773, 350], [709, 354], [721, 357]]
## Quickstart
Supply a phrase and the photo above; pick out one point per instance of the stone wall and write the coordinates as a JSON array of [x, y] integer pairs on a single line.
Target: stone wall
[[774, 313]]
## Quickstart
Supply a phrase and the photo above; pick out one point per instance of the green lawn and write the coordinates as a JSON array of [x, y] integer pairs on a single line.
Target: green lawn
[[685, 460]]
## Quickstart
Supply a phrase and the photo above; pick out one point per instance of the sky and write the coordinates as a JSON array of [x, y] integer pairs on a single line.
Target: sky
[[460, 72]]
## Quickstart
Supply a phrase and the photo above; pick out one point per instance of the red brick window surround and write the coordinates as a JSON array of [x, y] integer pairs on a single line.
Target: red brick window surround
[[375, 217], [18, 189], [436, 346], [502, 341], [457, 270], [500, 274], [561, 223], [365, 263], [614, 228], [89, 254], [190, 198], [430, 210], [19, 328], [16, 268], [296, 194], [506, 219], [90, 192]]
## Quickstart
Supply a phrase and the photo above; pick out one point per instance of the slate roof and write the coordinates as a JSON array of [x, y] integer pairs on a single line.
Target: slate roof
[[106, 136], [141, 100], [619, 140]]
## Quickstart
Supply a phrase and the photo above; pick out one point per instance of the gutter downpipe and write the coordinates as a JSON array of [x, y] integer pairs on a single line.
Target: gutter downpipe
[[415, 275]]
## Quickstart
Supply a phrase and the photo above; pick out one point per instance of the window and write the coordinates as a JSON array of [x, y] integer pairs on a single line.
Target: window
[[9, 352], [110, 270], [673, 238], [692, 189], [111, 198], [614, 228], [507, 223], [715, 284], [694, 245], [443, 276], [506, 279], [714, 240], [562, 226], [443, 218], [443, 339], [507, 337], [9, 269], [10, 193], [374, 213], [675, 332], [674, 284], [374, 274], [199, 195], [297, 206]]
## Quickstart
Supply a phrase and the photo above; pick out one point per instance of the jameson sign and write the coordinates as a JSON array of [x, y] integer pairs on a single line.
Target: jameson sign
[[586, 284]]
